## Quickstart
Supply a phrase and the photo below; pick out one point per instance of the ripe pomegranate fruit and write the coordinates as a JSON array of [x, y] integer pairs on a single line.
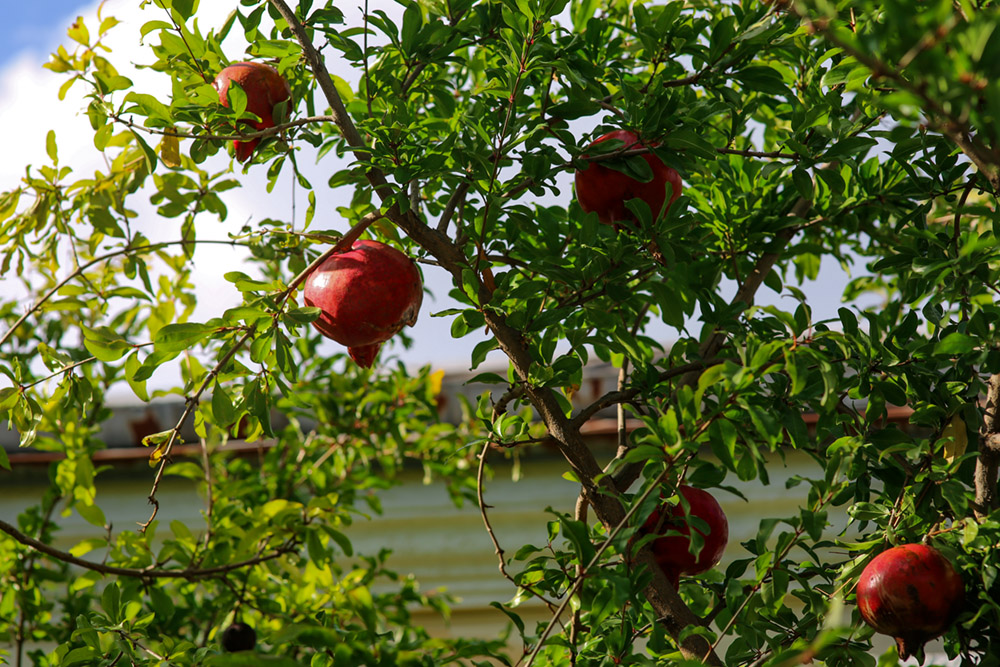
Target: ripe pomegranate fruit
[[264, 88], [238, 637], [367, 294], [673, 552], [605, 191], [911, 593]]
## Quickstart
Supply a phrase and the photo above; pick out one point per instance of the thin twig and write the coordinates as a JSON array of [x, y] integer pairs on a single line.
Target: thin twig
[[242, 136], [97, 260], [190, 574], [956, 233], [180, 33], [624, 396], [655, 486], [493, 538]]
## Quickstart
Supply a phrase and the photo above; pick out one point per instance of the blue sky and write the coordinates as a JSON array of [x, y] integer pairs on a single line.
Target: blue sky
[[36, 25]]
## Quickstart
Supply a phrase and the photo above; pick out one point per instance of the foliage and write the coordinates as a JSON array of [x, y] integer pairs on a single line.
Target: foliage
[[849, 131]]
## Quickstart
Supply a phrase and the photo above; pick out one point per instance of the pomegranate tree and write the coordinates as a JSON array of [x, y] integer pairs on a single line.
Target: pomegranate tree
[[673, 552], [911, 593], [604, 190], [366, 295], [264, 88]]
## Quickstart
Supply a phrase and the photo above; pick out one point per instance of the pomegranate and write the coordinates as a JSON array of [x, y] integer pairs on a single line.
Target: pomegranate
[[605, 191], [366, 295], [264, 88], [911, 593], [673, 552]]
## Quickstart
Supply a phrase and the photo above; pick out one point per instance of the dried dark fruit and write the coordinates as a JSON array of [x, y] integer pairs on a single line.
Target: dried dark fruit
[[238, 637]]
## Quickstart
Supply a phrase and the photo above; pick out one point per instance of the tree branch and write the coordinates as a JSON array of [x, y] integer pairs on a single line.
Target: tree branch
[[985, 159], [456, 199], [601, 495], [191, 574], [493, 538], [988, 462], [430, 239], [243, 136], [626, 395]]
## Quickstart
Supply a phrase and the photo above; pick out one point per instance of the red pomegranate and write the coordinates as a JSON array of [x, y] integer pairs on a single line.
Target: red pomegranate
[[367, 294], [605, 191], [912, 593], [264, 88], [673, 552]]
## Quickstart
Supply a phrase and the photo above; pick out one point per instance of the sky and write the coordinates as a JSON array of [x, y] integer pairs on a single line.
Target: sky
[[28, 27], [28, 102]]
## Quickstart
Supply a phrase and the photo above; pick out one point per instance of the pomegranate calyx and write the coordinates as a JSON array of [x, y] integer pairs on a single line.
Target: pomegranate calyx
[[907, 647], [364, 355]]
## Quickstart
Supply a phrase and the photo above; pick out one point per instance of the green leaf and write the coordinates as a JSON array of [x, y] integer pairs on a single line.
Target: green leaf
[[803, 183], [50, 146], [84, 655], [690, 142], [111, 601], [104, 343], [957, 496], [579, 538], [92, 514], [222, 406], [852, 147], [181, 337], [9, 396], [955, 344], [722, 437], [303, 315], [412, 21], [342, 540], [514, 618], [186, 8], [763, 80], [86, 546], [150, 26], [148, 152], [151, 107], [250, 659], [245, 283]]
